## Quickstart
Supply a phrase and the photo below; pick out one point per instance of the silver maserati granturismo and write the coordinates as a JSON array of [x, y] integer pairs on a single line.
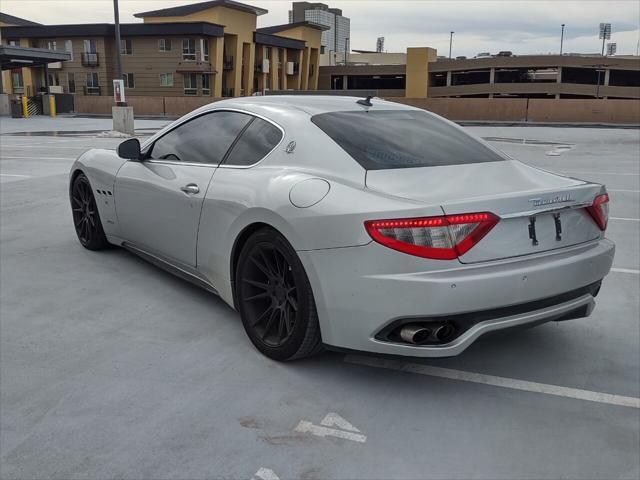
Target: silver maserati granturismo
[[350, 223]]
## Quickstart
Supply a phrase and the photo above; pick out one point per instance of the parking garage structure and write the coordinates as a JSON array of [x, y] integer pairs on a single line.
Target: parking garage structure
[[525, 76]]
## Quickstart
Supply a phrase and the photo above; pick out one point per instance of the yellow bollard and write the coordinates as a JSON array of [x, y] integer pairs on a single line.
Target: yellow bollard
[[25, 108], [52, 106]]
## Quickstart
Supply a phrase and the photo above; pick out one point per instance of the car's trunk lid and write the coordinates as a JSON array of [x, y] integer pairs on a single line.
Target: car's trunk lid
[[515, 192]]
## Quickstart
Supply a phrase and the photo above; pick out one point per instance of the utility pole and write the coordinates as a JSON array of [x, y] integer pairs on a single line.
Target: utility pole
[[450, 42], [561, 38]]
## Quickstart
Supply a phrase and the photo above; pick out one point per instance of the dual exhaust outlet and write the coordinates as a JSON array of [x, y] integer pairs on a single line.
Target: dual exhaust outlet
[[421, 334]]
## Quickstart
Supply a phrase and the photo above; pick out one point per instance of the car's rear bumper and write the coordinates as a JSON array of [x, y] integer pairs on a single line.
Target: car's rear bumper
[[361, 290]]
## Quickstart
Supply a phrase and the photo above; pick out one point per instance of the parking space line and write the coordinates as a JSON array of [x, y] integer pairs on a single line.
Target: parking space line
[[626, 270], [625, 219], [504, 382], [35, 158], [601, 173]]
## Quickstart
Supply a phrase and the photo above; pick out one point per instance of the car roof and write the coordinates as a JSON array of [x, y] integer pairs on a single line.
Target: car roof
[[281, 107]]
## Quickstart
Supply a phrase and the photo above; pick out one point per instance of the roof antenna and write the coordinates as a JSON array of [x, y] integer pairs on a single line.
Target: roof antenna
[[366, 102]]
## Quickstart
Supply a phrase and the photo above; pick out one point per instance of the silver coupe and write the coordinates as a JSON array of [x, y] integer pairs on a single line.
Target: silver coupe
[[350, 223]]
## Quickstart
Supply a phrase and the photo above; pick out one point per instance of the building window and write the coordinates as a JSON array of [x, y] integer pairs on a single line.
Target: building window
[[189, 49], [54, 79], [17, 82], [68, 47], [71, 82], [164, 44], [129, 80], [206, 84], [90, 46], [14, 43], [93, 84], [204, 48], [50, 45], [166, 79], [126, 46], [190, 84]]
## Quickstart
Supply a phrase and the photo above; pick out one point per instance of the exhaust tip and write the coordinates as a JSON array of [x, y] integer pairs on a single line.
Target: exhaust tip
[[416, 334], [445, 333]]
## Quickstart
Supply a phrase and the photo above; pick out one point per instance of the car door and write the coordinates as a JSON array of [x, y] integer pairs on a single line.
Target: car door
[[159, 199]]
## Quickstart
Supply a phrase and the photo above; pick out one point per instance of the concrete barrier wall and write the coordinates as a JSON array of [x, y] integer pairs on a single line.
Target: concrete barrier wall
[[500, 109], [531, 110], [178, 106], [152, 106], [490, 109], [579, 110]]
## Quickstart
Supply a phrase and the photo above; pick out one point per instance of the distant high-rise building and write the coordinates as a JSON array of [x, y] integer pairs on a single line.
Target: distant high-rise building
[[333, 40]]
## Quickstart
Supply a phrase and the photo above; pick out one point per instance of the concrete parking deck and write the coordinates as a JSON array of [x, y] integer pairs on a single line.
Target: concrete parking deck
[[112, 368]]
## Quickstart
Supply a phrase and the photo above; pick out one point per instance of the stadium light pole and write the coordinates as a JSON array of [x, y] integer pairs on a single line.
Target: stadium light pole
[[450, 42], [561, 38]]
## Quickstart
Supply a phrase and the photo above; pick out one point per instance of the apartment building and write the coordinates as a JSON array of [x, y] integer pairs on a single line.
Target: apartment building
[[209, 49], [336, 37]]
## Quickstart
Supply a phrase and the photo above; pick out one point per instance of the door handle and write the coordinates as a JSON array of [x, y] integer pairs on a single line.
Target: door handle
[[190, 188]]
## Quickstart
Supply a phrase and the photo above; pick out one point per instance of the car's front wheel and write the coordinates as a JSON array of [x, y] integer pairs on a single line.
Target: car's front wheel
[[274, 298], [86, 218]]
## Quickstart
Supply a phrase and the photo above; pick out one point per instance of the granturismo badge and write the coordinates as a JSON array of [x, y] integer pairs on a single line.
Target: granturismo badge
[[538, 202]]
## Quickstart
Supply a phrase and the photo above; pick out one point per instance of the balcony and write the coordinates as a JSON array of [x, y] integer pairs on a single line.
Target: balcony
[[227, 63], [92, 90], [90, 59]]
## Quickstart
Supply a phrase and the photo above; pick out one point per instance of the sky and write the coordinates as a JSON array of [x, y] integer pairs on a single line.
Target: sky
[[521, 26]]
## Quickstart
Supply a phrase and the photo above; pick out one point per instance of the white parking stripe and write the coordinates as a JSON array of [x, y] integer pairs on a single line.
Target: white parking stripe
[[503, 382], [601, 173], [36, 158], [625, 219], [626, 270], [48, 147]]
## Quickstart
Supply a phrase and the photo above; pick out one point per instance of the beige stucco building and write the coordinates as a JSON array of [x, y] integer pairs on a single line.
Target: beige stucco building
[[205, 49]]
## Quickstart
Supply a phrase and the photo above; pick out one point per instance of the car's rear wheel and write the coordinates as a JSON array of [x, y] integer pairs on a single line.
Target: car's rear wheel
[[275, 298], [86, 218]]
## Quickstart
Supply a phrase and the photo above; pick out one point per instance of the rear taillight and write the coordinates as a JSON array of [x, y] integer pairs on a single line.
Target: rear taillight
[[443, 238], [599, 211]]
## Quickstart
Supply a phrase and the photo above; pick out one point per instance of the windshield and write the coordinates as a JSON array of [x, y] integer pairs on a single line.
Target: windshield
[[386, 139]]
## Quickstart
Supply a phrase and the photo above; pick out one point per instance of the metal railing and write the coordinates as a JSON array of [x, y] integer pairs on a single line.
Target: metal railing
[[227, 63], [90, 59]]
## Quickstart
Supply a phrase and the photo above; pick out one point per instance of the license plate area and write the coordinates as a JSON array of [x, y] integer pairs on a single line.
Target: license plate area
[[557, 226]]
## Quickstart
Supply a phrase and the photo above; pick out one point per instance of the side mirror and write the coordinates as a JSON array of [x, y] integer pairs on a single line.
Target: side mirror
[[129, 149]]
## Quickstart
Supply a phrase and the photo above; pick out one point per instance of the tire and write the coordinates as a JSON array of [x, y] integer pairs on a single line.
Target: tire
[[86, 218], [275, 299]]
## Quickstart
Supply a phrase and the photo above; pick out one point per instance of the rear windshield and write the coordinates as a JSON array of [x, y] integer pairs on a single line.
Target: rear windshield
[[385, 139]]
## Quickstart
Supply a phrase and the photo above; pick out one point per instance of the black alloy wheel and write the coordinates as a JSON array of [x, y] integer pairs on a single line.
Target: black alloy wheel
[[275, 298], [86, 218]]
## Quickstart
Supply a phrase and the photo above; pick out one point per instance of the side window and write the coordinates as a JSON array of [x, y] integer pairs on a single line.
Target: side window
[[256, 141], [204, 139]]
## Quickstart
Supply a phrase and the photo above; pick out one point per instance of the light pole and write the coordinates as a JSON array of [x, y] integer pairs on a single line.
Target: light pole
[[450, 42], [605, 34], [116, 17], [346, 49], [561, 38]]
